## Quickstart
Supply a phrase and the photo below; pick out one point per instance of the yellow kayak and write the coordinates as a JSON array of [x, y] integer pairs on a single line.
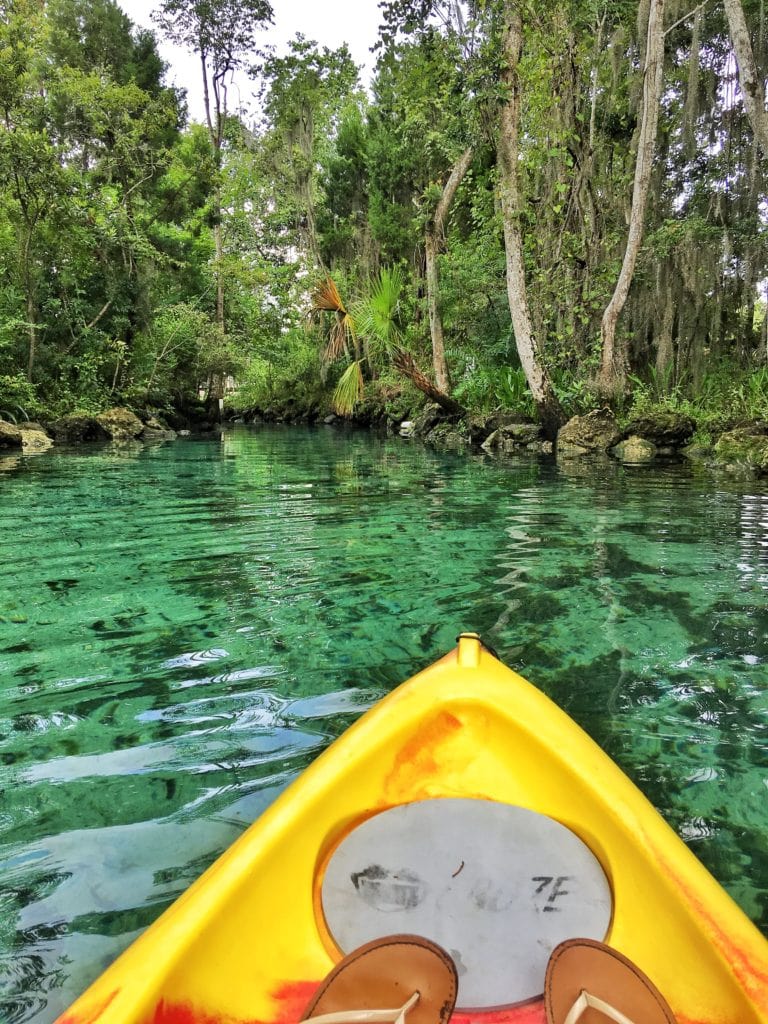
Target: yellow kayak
[[465, 807]]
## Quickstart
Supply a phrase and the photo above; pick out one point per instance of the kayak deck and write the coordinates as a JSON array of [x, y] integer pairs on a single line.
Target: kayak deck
[[249, 941], [475, 876]]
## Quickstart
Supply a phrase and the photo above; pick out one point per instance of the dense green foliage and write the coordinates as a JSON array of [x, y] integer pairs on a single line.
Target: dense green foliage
[[144, 258]]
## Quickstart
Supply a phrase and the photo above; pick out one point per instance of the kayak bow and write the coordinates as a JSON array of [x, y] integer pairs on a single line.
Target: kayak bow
[[251, 940]]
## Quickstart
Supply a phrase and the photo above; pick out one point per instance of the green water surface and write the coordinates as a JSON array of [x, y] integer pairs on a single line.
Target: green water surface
[[185, 626]]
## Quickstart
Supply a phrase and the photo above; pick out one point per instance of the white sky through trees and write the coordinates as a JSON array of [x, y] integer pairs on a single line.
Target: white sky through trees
[[329, 22]]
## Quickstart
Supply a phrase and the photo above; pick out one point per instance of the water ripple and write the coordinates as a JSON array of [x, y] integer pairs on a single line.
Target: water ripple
[[183, 628]]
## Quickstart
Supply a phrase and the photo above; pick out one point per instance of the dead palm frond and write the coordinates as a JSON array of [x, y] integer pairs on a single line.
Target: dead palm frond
[[336, 346], [327, 299], [349, 390]]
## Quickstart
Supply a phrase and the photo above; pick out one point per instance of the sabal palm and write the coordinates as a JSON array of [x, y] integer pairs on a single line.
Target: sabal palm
[[374, 318]]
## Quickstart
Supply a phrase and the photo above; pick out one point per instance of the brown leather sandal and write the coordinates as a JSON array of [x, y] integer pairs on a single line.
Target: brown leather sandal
[[588, 982], [401, 979]]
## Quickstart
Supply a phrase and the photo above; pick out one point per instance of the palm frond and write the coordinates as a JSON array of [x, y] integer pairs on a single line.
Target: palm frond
[[326, 298], [349, 390], [341, 330], [376, 316]]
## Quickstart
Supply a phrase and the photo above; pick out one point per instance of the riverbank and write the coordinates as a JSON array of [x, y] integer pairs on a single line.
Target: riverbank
[[637, 441], [738, 447]]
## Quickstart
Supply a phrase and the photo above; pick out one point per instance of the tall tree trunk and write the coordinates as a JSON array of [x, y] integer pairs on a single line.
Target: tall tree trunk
[[214, 120], [433, 242], [751, 82], [613, 364], [31, 303], [665, 350], [692, 88], [547, 404], [218, 239]]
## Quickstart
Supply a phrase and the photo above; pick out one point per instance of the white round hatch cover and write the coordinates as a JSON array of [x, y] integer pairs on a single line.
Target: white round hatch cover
[[497, 886]]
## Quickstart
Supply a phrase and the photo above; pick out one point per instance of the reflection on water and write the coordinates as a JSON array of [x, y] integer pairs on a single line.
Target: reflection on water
[[184, 627]]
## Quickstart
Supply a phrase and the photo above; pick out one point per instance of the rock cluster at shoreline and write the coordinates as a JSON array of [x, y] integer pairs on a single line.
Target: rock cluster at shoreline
[[118, 424], [596, 434]]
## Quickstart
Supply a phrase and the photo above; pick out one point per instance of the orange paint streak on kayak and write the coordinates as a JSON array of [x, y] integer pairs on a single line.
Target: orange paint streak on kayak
[[417, 762], [91, 1016], [527, 1013], [183, 1013], [292, 999], [753, 980]]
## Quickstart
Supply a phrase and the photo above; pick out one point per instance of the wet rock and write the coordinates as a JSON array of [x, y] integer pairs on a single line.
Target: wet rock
[[743, 448], [328, 420], [453, 439], [35, 440], [120, 424], [447, 435], [10, 435], [598, 431], [635, 450], [478, 429], [521, 434], [77, 428], [664, 429], [514, 435], [427, 420], [406, 428], [503, 418], [155, 429], [507, 425], [493, 442]]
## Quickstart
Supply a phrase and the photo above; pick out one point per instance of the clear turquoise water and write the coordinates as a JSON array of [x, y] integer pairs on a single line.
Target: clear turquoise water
[[183, 627]]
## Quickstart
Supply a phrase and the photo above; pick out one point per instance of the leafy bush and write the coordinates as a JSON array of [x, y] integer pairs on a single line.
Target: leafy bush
[[485, 388], [287, 376], [18, 397], [724, 398]]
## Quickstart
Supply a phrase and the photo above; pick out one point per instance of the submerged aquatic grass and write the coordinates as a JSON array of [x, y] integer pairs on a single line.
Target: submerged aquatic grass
[[184, 627]]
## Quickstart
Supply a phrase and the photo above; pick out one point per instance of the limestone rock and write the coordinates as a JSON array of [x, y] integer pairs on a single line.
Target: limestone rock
[[635, 450], [478, 429], [522, 434], [155, 430], [493, 441], [35, 440], [447, 435], [664, 429], [514, 436], [406, 428], [598, 431], [120, 424], [427, 420], [77, 428], [744, 448], [10, 435]]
